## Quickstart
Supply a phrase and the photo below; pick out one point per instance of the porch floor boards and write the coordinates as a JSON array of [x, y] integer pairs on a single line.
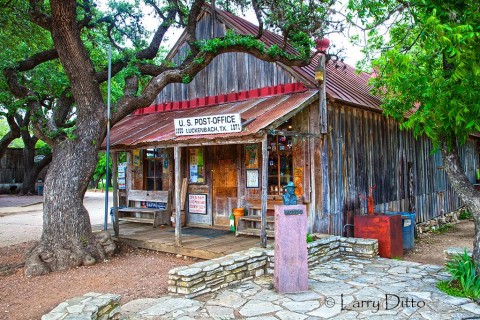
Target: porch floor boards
[[197, 246]]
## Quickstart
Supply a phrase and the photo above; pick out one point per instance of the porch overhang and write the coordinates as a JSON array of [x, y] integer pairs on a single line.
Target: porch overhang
[[258, 116]]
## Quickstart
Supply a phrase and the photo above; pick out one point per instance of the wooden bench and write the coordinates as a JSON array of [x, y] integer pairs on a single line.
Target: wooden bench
[[147, 207]]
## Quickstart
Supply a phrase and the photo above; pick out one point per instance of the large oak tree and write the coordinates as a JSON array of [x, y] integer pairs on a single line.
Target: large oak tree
[[68, 102]]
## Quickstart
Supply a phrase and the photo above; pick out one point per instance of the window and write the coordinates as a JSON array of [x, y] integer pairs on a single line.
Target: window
[[280, 164], [154, 159]]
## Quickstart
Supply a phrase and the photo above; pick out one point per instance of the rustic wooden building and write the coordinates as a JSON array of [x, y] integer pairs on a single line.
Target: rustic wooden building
[[11, 170], [281, 140]]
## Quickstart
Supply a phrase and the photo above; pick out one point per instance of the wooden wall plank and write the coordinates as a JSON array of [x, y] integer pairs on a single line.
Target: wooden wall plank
[[364, 149]]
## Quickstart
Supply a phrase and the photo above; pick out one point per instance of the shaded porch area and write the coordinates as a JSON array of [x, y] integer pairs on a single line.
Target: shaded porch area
[[203, 243]]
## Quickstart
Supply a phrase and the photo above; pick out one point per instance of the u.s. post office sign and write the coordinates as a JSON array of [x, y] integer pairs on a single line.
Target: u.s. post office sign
[[224, 123]]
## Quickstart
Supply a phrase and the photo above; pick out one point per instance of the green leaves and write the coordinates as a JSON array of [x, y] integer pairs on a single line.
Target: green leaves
[[428, 71], [463, 270]]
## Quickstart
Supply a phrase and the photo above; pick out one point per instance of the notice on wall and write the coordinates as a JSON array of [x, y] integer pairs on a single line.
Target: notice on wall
[[251, 156], [197, 203], [136, 157], [225, 123], [197, 168], [122, 170]]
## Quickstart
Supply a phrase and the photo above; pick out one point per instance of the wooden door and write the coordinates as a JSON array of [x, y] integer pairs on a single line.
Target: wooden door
[[224, 183]]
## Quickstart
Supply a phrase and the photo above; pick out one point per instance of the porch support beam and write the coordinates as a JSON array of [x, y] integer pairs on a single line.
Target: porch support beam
[[115, 192], [263, 231], [178, 180]]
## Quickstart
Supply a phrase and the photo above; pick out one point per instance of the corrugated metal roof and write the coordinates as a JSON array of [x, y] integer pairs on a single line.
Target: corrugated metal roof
[[157, 129], [343, 82]]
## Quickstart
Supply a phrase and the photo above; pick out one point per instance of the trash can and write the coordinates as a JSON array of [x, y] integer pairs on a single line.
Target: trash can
[[40, 187], [408, 228], [237, 213]]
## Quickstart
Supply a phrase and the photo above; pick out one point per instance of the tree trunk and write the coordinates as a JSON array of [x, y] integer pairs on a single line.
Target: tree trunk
[[30, 175], [67, 239], [466, 191]]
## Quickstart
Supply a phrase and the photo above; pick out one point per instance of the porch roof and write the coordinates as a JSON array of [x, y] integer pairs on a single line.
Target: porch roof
[[157, 129]]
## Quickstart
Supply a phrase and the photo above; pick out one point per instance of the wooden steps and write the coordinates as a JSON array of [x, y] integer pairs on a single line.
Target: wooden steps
[[251, 225], [255, 232]]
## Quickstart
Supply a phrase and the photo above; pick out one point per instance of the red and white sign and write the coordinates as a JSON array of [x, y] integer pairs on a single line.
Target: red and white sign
[[197, 203]]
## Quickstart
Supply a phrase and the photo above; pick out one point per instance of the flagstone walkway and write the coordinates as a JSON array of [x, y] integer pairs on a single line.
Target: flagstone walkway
[[343, 288]]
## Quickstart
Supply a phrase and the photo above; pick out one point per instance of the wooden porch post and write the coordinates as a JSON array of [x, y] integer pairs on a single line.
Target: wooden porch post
[[115, 192], [178, 183], [263, 231]]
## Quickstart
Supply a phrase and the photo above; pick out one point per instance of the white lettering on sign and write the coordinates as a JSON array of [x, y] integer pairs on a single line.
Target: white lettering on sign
[[197, 203], [225, 123]]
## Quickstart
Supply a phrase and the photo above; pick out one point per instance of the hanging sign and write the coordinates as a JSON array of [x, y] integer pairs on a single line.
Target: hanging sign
[[225, 123]]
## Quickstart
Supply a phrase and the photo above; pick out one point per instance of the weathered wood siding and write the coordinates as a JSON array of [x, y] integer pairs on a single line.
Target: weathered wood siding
[[227, 73], [367, 149], [11, 166]]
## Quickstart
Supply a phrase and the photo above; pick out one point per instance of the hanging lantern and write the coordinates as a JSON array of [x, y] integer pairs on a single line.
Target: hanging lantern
[[322, 45]]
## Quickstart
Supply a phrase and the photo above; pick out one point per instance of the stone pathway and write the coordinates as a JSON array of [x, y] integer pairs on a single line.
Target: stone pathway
[[343, 288]]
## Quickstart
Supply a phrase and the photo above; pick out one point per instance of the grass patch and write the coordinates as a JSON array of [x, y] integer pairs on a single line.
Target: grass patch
[[443, 228], [465, 215], [309, 238], [464, 272], [452, 288]]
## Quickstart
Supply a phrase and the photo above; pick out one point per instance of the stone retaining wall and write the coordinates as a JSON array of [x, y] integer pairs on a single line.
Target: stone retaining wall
[[212, 275], [94, 306], [452, 252], [436, 223]]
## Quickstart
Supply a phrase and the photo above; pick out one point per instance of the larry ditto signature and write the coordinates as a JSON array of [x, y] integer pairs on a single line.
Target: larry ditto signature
[[389, 302]]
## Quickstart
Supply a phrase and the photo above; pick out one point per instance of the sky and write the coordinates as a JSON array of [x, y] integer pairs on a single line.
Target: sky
[[351, 53]]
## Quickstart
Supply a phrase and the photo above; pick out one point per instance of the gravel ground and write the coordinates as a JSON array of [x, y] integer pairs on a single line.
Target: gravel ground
[[21, 216]]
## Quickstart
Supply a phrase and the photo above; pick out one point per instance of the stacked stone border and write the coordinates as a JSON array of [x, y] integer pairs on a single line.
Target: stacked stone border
[[215, 274], [94, 306], [452, 252]]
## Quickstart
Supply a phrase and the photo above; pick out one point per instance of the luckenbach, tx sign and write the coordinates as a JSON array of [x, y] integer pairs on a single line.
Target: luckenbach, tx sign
[[225, 123]]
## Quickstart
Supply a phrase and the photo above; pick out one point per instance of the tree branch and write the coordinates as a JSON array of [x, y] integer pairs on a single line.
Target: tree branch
[[13, 134], [17, 89], [152, 50], [37, 59], [62, 109], [258, 14], [38, 17], [128, 104], [191, 28]]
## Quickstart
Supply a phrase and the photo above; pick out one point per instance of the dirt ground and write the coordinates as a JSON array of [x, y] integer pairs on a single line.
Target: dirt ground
[[135, 273], [429, 246]]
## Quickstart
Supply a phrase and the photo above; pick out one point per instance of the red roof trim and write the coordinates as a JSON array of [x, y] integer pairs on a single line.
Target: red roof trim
[[224, 98]]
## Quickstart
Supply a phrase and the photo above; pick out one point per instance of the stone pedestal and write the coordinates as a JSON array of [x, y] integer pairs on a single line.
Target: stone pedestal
[[291, 266]]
